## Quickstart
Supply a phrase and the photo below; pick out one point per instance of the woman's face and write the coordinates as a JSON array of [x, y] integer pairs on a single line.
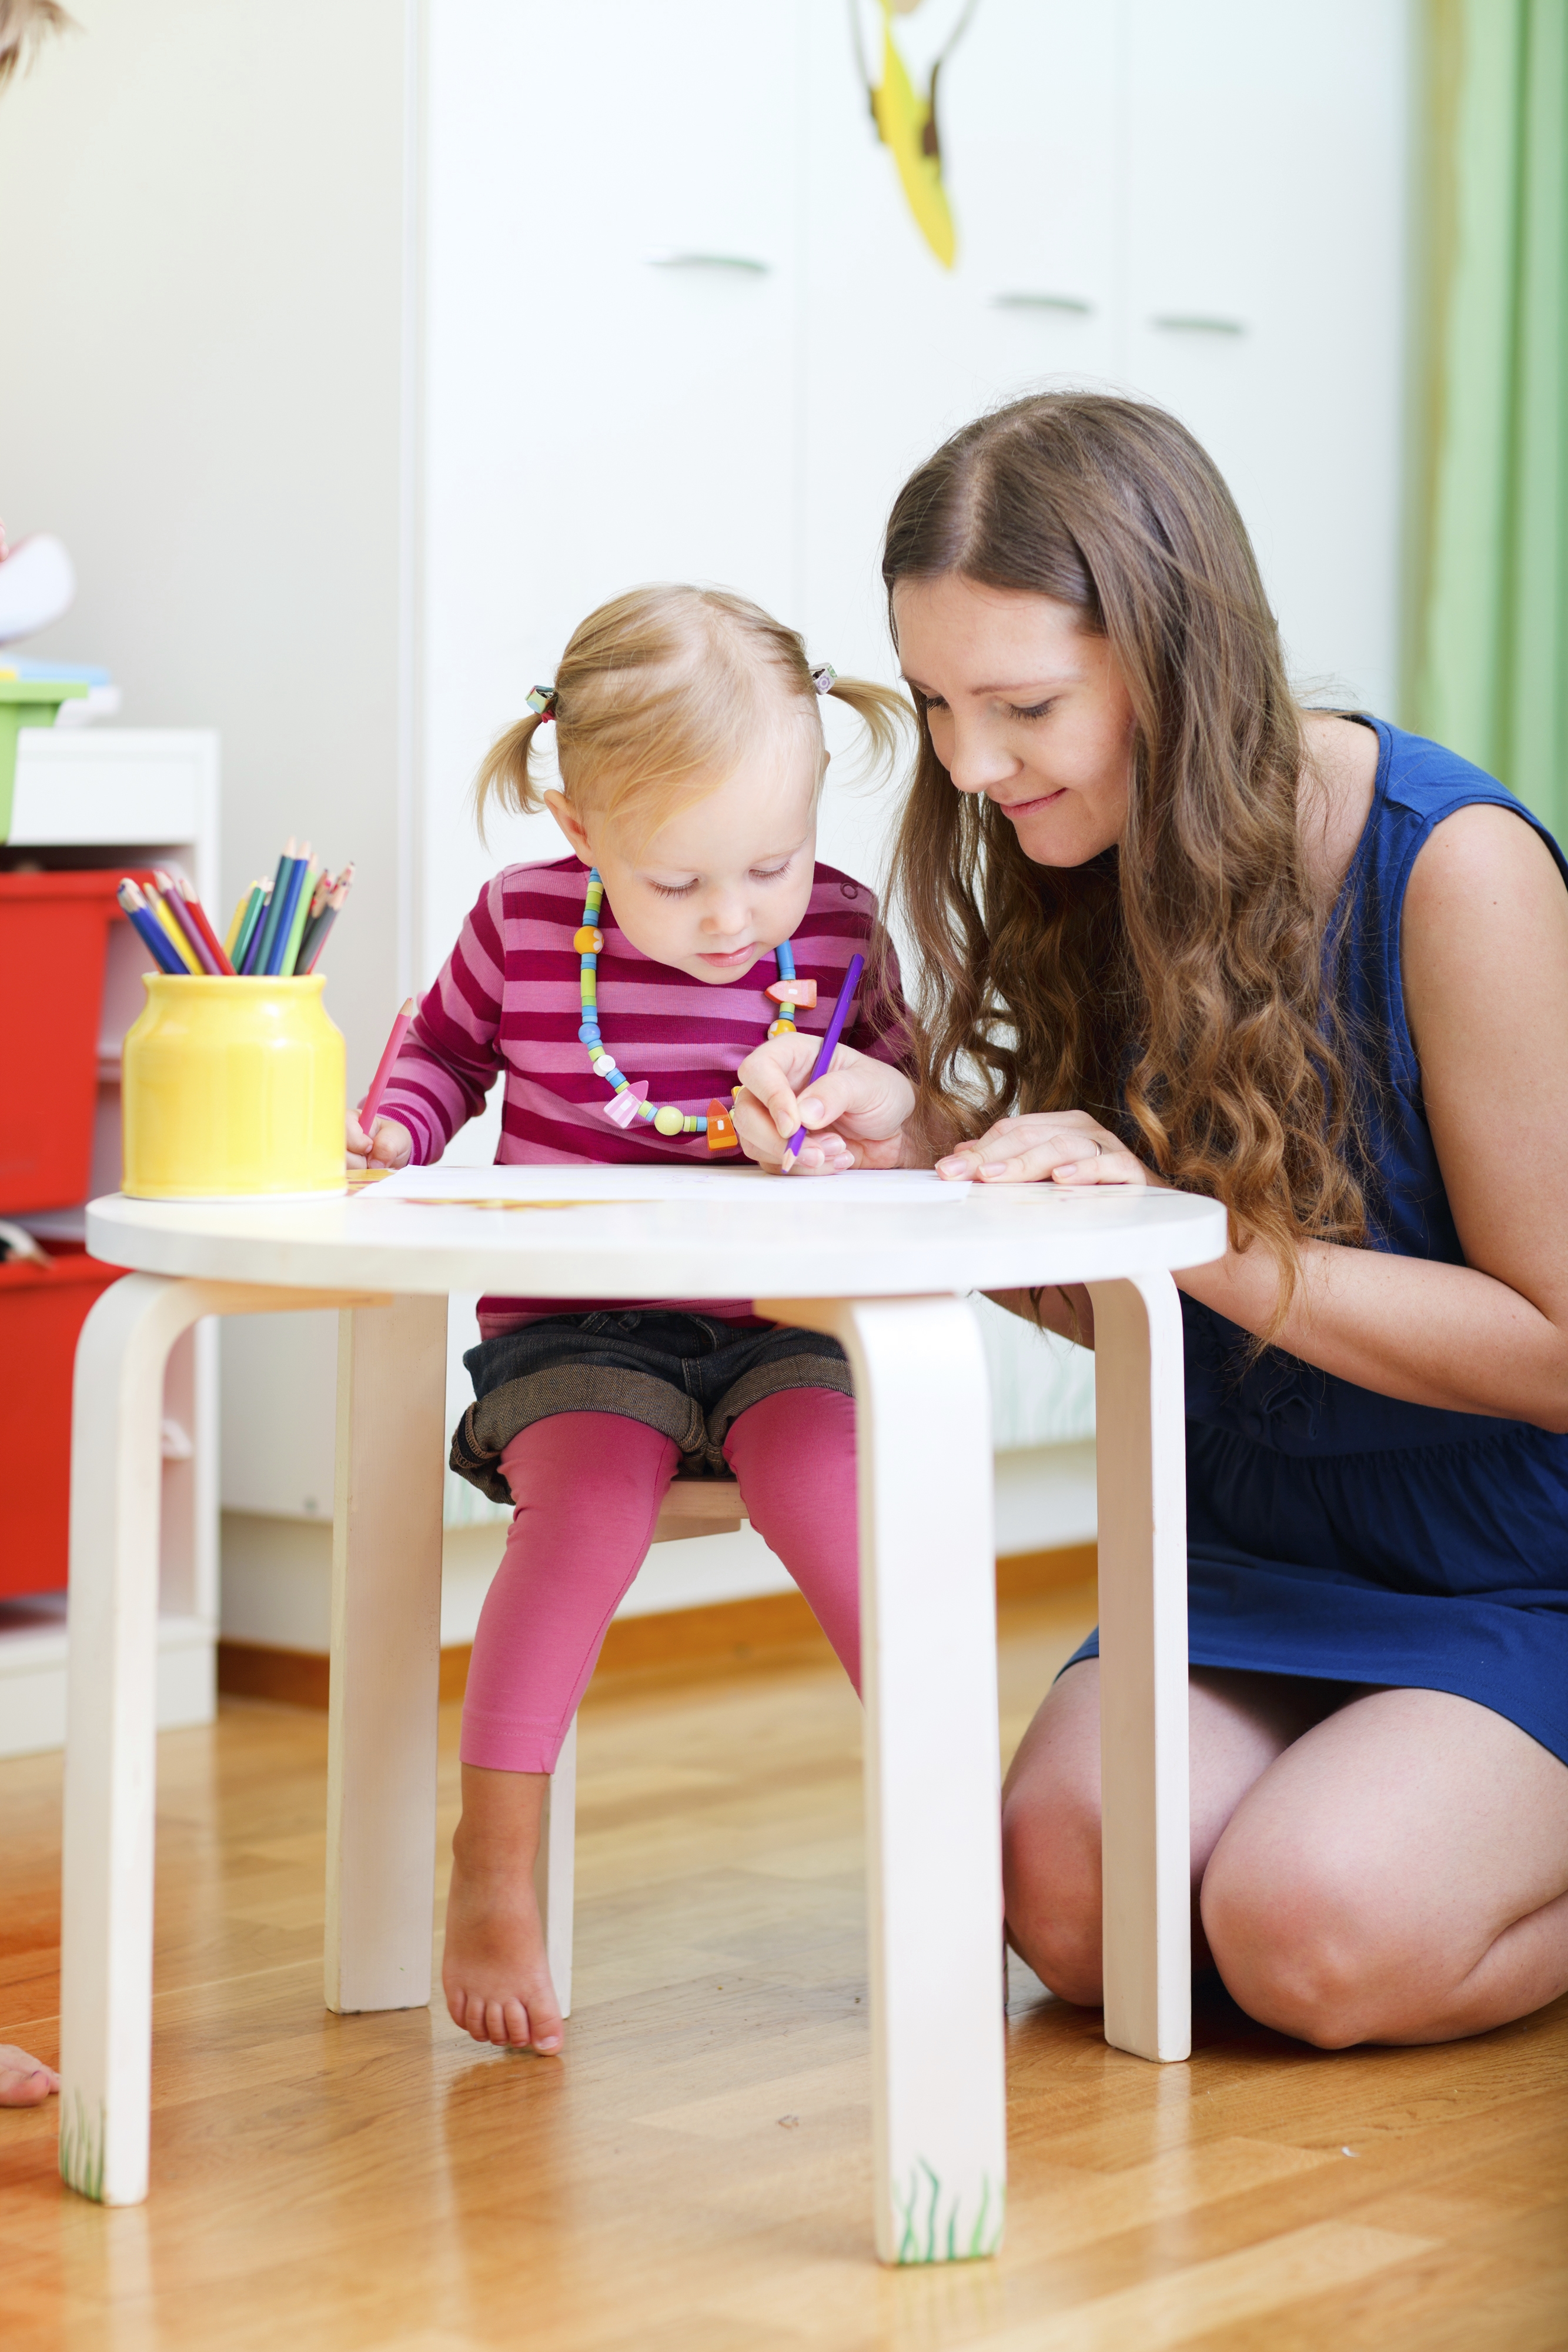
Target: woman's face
[[1023, 706]]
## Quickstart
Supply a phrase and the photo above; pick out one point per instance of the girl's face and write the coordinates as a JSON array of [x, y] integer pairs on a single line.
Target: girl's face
[[1023, 706], [725, 879]]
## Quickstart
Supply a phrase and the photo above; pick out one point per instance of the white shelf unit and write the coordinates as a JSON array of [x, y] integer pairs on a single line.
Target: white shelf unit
[[132, 796]]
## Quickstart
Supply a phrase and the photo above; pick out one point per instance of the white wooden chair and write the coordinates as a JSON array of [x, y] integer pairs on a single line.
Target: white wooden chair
[[691, 1506]]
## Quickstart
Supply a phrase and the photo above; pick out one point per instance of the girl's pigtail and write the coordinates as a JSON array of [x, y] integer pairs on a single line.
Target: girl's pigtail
[[504, 775], [884, 714]]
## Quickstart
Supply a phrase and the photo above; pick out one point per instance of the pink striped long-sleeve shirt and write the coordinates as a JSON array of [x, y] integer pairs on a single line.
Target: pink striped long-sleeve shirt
[[506, 1003]]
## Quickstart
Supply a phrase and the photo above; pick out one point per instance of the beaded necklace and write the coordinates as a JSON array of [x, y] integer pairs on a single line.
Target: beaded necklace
[[628, 1103]]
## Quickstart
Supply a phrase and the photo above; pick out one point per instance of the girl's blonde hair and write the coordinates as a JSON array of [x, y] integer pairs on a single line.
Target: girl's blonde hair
[[658, 695]]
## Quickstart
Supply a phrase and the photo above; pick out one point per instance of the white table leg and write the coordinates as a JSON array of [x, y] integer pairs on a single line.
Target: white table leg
[[933, 1777], [555, 1871], [386, 1656], [1141, 1447], [106, 1935]]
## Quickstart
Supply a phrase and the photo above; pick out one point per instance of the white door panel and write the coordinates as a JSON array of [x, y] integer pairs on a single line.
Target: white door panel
[[1266, 289], [609, 391]]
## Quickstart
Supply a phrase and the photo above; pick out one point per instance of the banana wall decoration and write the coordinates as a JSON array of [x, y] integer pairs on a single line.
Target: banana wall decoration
[[908, 126]]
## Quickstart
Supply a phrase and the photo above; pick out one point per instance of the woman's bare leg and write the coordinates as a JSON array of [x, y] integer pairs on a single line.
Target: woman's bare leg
[[1239, 1724], [1398, 1874]]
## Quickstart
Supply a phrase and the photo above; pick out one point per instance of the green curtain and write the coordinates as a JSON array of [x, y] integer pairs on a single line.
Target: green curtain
[[1486, 637]]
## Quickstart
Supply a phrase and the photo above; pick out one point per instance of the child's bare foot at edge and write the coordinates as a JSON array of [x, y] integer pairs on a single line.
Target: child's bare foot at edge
[[493, 1971], [25, 2080]]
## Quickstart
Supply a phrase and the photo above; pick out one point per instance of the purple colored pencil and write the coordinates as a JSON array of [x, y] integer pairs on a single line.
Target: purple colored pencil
[[829, 1044]]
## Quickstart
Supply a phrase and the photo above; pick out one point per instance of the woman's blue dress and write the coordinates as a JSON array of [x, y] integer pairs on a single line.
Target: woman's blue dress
[[1340, 1534]]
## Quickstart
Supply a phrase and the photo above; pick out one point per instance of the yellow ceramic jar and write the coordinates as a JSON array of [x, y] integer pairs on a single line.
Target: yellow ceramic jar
[[233, 1086]]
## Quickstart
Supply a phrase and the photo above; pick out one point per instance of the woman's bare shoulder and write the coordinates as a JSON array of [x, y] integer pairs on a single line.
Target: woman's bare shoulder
[[1336, 797], [1485, 915]]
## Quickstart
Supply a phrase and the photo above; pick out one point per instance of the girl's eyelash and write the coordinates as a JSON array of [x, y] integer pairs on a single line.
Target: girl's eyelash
[[758, 873]]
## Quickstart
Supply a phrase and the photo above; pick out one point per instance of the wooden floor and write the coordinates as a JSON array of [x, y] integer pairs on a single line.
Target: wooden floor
[[694, 2177]]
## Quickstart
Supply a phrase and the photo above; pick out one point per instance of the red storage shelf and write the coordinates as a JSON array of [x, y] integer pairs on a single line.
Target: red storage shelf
[[54, 942], [42, 1310]]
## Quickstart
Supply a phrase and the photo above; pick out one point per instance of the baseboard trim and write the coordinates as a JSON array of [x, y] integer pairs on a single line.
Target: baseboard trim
[[731, 1631]]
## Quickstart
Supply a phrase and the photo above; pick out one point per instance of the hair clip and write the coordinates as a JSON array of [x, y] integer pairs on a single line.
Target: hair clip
[[542, 700], [824, 678]]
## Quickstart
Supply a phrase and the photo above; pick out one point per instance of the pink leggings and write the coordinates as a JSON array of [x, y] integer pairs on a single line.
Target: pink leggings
[[588, 1487]]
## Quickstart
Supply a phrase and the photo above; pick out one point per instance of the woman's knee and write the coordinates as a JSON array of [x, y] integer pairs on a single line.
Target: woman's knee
[[1051, 1883], [1303, 1941]]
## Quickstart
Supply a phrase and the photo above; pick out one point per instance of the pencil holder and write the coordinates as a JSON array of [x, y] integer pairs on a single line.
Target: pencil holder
[[233, 1086]]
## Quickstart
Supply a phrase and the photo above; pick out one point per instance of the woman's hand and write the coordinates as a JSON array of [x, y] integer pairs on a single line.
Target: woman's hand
[[1059, 1147], [855, 1116], [387, 1145]]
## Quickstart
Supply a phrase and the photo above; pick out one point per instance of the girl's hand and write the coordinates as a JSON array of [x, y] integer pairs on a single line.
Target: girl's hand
[[387, 1145], [1060, 1147], [855, 1116]]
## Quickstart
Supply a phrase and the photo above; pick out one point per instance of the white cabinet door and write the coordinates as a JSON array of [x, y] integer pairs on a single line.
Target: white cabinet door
[[609, 326], [900, 351], [1266, 291]]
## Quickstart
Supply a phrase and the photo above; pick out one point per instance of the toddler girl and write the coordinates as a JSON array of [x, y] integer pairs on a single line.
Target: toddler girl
[[618, 989]]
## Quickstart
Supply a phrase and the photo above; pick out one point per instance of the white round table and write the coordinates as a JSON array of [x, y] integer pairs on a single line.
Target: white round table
[[882, 1263]]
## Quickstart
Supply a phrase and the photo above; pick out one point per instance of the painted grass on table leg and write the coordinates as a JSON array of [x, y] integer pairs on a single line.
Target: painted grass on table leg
[[82, 2150], [922, 2240]]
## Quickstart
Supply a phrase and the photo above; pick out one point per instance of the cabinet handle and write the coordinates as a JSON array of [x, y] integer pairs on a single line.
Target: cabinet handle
[[1068, 302], [747, 266], [1185, 323]]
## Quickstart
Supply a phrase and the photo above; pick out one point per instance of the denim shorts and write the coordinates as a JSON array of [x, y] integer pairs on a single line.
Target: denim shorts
[[688, 1376]]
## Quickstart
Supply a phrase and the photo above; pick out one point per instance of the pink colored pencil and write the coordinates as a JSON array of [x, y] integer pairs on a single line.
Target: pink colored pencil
[[384, 1066], [180, 908], [198, 915]]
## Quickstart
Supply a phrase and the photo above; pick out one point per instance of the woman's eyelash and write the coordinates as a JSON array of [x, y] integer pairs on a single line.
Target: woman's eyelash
[[1015, 710]]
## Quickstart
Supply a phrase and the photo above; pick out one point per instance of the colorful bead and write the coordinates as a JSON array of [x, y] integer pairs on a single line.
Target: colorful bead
[[588, 1033], [668, 1119], [721, 1134], [627, 1105], [587, 940], [792, 991], [780, 1028]]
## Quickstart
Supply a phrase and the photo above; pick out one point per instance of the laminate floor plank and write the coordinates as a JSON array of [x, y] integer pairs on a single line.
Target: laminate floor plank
[[695, 2174]]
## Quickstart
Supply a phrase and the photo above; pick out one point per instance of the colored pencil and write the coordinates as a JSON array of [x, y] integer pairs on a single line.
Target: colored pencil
[[148, 926], [236, 923], [261, 960], [273, 961], [180, 910], [377, 1086], [198, 915], [318, 898], [829, 1046], [254, 900], [258, 922], [329, 916], [160, 914], [288, 960]]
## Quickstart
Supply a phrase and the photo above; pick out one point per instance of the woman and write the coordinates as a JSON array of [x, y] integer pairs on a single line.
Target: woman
[[1177, 929]]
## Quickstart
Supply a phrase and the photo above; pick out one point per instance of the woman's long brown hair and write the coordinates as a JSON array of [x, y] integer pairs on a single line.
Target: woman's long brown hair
[[1173, 986]]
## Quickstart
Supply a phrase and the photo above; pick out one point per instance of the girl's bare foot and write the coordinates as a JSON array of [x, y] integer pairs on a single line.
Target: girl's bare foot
[[24, 2082], [493, 1971]]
